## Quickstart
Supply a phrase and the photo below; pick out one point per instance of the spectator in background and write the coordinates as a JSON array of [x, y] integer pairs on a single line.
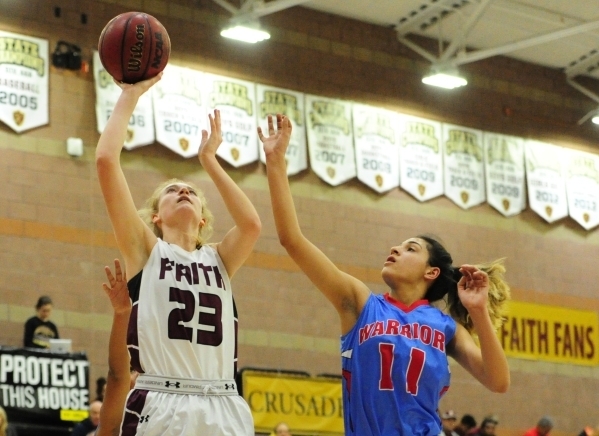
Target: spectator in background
[[5, 428], [39, 329], [467, 424], [448, 423], [100, 388], [88, 426], [282, 429], [589, 431], [487, 427], [543, 427]]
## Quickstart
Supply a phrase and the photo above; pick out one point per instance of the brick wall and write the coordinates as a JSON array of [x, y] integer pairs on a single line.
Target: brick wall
[[55, 236]]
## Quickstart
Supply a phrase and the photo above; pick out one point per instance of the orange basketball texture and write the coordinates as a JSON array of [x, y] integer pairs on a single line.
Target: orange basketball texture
[[134, 46]]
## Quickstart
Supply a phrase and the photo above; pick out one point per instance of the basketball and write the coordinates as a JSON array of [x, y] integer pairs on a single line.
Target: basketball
[[134, 46]]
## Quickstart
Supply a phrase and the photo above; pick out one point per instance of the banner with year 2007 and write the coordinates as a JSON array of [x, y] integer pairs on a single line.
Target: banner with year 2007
[[272, 101], [141, 124], [330, 139], [420, 157], [545, 180], [23, 81], [582, 187], [376, 137], [236, 100], [463, 165], [180, 113], [504, 169]]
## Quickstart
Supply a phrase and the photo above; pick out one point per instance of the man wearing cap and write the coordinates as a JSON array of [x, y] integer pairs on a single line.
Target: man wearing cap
[[448, 421], [543, 427]]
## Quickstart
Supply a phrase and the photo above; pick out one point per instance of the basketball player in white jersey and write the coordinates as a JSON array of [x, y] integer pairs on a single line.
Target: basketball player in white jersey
[[182, 329]]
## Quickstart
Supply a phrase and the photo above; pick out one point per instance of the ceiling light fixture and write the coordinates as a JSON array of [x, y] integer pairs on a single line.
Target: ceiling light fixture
[[448, 79], [595, 119], [247, 33]]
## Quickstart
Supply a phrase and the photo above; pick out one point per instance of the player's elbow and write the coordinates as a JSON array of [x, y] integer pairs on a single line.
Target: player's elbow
[[500, 386]]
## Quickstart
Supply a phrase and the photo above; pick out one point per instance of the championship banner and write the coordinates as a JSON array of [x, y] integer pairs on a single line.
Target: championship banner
[[549, 333], [23, 81], [330, 139], [420, 158], [141, 124], [376, 138], [42, 387], [504, 170], [180, 115], [308, 405], [463, 165], [236, 100], [545, 180], [272, 101], [582, 186]]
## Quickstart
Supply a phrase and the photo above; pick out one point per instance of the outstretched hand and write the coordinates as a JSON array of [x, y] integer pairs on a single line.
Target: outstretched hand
[[140, 87], [210, 143], [116, 289], [473, 288], [277, 140]]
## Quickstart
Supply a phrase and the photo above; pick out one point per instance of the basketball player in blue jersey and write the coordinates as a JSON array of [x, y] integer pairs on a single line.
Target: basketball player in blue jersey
[[394, 347], [182, 333]]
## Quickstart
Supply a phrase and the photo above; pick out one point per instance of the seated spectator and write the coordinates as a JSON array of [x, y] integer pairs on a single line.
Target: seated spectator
[[281, 429], [448, 423], [466, 425], [487, 427], [543, 427], [5, 428], [100, 388], [39, 329], [88, 426]]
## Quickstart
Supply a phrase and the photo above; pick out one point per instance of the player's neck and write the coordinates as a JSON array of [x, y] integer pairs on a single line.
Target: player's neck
[[407, 294], [185, 239]]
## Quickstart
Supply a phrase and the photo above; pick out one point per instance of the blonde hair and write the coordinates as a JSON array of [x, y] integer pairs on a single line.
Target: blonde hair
[[4, 423], [499, 295], [151, 208]]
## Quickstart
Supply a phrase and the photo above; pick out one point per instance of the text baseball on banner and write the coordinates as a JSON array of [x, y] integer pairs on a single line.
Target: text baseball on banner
[[43, 386], [23, 81], [553, 334], [308, 404]]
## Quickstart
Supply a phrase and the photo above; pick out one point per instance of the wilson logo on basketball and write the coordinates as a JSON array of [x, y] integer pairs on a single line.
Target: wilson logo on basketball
[[158, 51], [136, 50]]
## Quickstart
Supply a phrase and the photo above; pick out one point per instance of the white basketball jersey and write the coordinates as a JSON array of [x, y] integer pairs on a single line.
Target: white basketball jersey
[[183, 322]]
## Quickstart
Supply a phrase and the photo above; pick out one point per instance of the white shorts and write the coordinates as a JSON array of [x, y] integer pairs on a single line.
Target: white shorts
[[207, 408]]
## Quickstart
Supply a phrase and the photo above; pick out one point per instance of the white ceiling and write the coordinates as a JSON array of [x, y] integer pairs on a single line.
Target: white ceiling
[[502, 23]]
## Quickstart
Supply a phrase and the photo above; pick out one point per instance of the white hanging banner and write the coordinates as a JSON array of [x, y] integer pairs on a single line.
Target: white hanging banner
[[420, 157], [236, 100], [463, 165], [504, 169], [23, 81], [141, 124], [330, 139], [376, 140], [582, 187], [272, 101], [545, 180]]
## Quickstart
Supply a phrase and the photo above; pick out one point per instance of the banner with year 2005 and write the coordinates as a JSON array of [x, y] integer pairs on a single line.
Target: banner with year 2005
[[180, 113], [23, 81], [376, 137], [545, 180], [463, 165], [236, 100], [582, 186], [504, 169], [420, 157], [141, 124], [330, 139], [272, 101]]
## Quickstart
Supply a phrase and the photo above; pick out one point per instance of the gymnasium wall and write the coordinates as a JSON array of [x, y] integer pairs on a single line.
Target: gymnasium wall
[[55, 237]]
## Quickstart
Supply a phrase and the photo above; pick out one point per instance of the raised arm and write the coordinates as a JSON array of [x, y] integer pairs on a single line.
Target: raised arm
[[347, 293], [118, 380], [239, 242], [488, 363], [134, 239]]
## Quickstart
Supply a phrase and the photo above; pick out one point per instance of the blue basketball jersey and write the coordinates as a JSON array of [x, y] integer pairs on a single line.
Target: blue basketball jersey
[[395, 368]]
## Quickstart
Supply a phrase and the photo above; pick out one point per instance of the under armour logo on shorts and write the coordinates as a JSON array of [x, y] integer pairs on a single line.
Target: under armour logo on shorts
[[143, 419], [168, 384], [229, 386]]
